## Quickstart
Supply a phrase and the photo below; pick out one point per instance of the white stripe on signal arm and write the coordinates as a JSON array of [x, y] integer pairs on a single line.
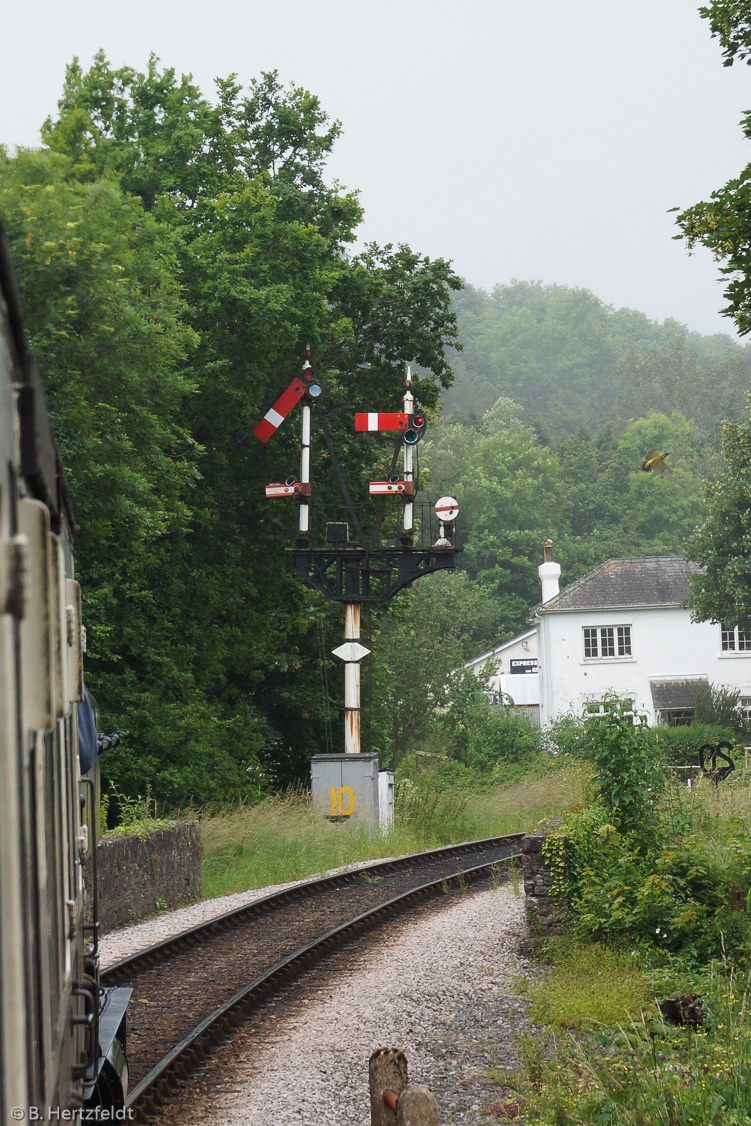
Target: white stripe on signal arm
[[380, 487], [274, 417]]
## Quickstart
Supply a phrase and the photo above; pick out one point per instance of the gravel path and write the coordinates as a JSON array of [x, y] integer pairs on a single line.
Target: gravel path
[[127, 941], [438, 985]]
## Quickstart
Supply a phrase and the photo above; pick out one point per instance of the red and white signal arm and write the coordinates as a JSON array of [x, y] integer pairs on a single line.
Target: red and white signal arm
[[276, 415], [288, 488], [447, 508], [374, 421], [387, 488]]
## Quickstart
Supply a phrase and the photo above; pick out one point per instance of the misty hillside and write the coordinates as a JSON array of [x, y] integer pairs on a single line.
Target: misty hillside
[[567, 358]]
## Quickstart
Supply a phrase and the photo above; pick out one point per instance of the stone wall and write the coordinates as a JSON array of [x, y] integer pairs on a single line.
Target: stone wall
[[544, 914], [139, 876]]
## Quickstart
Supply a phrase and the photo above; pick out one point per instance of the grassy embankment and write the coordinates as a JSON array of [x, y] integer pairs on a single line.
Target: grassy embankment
[[283, 839], [605, 1054]]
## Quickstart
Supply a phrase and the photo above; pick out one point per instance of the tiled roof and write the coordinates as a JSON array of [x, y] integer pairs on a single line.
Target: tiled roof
[[658, 581], [500, 648], [667, 694]]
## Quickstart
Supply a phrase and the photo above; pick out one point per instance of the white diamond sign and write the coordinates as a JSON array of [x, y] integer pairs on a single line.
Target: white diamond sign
[[351, 651]]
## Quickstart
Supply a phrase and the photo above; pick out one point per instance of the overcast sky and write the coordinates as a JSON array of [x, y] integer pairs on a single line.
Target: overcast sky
[[541, 139]]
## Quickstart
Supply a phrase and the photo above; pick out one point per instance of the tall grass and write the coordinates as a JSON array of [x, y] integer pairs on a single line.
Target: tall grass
[[725, 805], [594, 984], [645, 1072], [283, 838], [521, 806]]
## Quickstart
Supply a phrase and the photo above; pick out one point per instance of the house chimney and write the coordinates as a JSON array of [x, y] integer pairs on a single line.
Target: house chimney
[[549, 573]]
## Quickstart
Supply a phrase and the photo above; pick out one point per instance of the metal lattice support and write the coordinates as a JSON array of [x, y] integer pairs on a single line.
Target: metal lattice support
[[357, 574]]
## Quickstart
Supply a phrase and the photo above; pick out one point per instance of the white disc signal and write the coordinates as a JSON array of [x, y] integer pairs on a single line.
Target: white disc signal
[[447, 508]]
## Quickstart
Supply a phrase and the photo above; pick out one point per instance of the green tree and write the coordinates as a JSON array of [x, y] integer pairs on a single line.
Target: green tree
[[731, 24], [722, 544], [723, 223], [259, 245], [510, 500], [106, 319], [660, 512], [569, 361], [421, 645]]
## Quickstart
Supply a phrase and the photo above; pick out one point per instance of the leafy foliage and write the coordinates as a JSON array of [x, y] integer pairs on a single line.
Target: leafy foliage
[[730, 23], [420, 646], [622, 749], [722, 222], [586, 492], [175, 257], [645, 863], [679, 746], [716, 705], [722, 544]]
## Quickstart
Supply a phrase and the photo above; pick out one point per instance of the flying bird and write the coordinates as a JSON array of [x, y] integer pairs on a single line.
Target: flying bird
[[655, 462]]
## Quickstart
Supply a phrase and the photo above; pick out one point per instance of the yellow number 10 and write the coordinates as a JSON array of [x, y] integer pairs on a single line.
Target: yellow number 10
[[337, 801]]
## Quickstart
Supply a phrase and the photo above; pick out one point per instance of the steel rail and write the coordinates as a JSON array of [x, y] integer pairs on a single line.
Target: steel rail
[[122, 971], [163, 1081]]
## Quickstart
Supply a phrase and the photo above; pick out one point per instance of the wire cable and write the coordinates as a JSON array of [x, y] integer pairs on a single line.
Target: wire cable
[[327, 731]]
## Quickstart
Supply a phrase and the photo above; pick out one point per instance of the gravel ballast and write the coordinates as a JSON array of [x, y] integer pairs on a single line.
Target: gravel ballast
[[437, 983], [174, 995], [127, 941]]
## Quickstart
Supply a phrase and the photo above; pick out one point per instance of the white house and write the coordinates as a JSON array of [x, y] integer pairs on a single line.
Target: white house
[[515, 672], [623, 627]]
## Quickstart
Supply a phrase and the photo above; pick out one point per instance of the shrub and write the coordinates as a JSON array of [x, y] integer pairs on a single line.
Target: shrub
[[670, 898], [502, 737], [567, 735], [716, 705], [480, 735], [679, 746], [623, 752], [648, 865]]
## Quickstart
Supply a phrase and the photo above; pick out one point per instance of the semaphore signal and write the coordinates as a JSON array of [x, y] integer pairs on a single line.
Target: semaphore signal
[[307, 384], [391, 487], [358, 572], [373, 421], [289, 487], [308, 388]]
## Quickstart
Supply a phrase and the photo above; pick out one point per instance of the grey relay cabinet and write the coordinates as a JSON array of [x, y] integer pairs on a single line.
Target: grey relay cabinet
[[345, 787]]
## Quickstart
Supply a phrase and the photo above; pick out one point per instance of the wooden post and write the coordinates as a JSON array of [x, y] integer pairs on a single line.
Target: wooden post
[[417, 1107], [388, 1072]]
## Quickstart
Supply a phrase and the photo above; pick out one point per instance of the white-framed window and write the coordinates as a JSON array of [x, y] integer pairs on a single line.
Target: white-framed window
[[677, 717], [596, 709], [743, 708], [734, 640], [606, 641]]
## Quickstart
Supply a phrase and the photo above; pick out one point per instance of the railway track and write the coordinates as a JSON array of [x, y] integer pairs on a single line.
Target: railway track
[[190, 991]]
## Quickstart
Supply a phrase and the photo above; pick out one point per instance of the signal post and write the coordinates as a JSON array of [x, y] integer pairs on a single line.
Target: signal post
[[355, 572]]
